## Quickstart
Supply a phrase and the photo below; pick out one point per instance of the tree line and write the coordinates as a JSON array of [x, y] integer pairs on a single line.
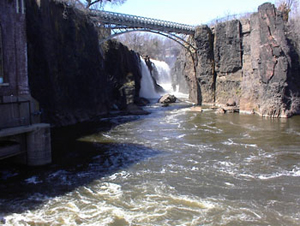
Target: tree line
[[155, 46]]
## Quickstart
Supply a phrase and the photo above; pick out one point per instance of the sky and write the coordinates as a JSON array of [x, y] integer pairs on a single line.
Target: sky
[[193, 12]]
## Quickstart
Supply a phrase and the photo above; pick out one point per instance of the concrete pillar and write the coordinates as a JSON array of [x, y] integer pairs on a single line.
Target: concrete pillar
[[39, 145]]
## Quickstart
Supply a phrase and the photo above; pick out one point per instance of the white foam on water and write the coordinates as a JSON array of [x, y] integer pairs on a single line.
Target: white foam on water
[[295, 172], [181, 136], [33, 180]]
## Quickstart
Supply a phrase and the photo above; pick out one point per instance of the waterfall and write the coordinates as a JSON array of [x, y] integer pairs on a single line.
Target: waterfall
[[161, 73], [159, 83], [147, 84]]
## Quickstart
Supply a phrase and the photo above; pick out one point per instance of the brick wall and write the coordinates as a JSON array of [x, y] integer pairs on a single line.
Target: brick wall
[[15, 101], [14, 51]]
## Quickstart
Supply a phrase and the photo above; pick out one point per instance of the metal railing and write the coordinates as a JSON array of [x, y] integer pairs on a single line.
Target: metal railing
[[132, 21]]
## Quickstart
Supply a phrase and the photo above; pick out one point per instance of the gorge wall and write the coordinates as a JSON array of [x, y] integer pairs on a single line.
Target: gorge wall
[[70, 76], [247, 61]]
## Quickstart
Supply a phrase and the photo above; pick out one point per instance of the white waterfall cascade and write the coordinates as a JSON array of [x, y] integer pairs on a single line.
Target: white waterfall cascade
[[162, 77], [147, 86]]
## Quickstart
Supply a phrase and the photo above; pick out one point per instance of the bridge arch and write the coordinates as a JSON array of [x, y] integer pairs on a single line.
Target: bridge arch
[[119, 23], [180, 40]]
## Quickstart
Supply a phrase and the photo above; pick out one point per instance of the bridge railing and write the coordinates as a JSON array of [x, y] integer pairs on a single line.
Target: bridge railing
[[126, 20]]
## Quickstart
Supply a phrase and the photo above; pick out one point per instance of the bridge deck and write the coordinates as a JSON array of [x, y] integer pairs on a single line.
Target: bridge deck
[[130, 21]]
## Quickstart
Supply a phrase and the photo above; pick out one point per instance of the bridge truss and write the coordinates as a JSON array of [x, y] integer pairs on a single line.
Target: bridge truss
[[118, 24]]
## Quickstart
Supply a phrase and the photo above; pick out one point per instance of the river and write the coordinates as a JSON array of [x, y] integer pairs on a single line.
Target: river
[[172, 167]]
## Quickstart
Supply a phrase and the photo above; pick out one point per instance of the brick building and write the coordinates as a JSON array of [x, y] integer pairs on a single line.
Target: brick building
[[20, 130]]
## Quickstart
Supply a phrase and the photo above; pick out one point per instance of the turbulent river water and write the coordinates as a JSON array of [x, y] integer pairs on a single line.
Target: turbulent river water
[[172, 167]]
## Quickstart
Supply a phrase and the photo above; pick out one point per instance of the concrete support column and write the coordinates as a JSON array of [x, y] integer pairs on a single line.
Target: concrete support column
[[39, 145]]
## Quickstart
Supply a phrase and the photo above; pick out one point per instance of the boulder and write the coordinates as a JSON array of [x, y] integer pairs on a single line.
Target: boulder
[[232, 109], [231, 103], [167, 99], [220, 111]]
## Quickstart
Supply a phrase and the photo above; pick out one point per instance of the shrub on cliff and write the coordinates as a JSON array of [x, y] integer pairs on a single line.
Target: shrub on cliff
[[291, 14]]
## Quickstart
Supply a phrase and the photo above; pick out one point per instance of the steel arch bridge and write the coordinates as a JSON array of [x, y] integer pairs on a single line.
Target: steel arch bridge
[[119, 23]]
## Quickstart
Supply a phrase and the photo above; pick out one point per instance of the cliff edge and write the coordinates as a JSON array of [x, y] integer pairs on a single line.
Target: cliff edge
[[250, 62], [71, 76]]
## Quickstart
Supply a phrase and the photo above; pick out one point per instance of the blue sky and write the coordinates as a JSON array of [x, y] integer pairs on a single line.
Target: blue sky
[[192, 12]]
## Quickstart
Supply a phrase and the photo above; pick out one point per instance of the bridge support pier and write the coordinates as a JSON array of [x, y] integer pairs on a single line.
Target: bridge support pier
[[39, 145], [31, 145]]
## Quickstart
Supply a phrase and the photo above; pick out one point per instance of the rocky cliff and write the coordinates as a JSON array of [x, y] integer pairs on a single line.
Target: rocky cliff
[[70, 76], [123, 70], [249, 62]]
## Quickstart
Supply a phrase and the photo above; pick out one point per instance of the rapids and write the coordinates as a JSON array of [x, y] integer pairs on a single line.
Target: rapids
[[172, 167]]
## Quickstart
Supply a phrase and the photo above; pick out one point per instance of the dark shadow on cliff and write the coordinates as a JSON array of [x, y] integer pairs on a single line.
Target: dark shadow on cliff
[[75, 163]]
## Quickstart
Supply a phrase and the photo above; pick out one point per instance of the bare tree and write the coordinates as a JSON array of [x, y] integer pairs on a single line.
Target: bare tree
[[291, 14], [92, 4], [286, 7], [99, 4], [155, 46]]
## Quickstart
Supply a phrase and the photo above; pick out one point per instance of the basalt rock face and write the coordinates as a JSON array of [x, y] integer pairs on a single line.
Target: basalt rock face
[[267, 78], [70, 76], [183, 73], [228, 60], [205, 62], [179, 73], [124, 74], [249, 61], [66, 73]]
